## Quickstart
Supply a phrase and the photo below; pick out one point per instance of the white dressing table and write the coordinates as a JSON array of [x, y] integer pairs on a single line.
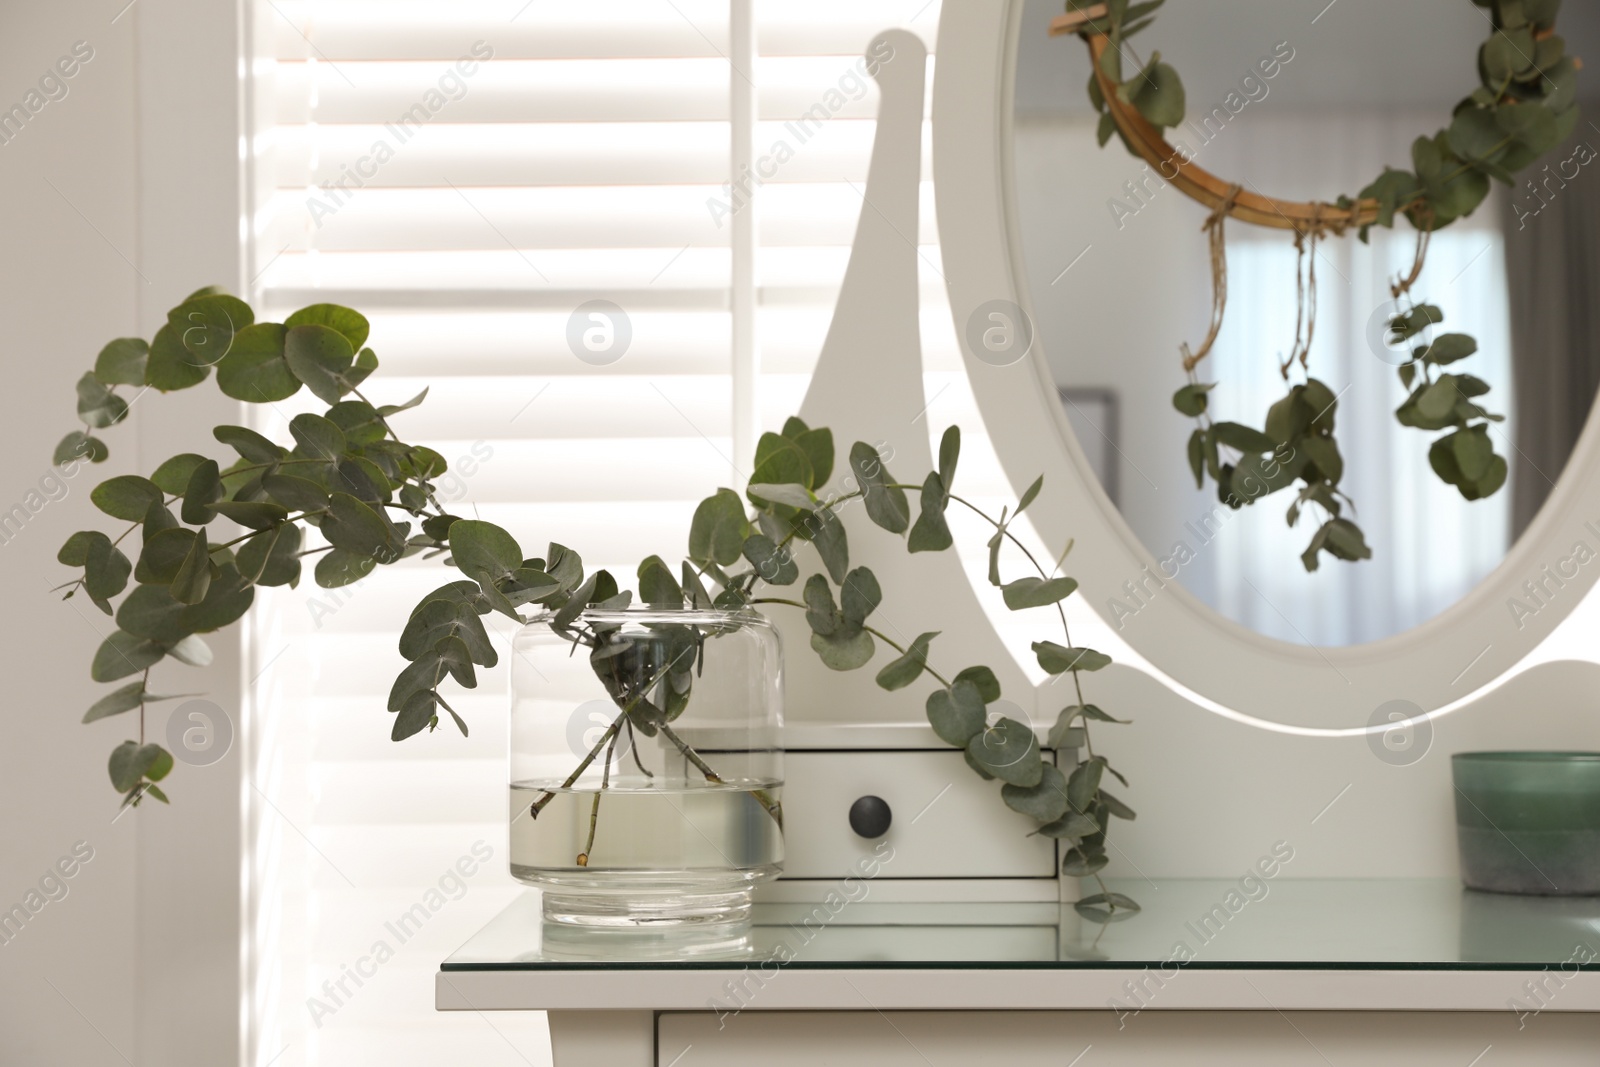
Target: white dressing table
[[1311, 972]]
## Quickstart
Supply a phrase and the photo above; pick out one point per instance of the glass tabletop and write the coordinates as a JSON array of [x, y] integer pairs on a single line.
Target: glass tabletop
[[1309, 924]]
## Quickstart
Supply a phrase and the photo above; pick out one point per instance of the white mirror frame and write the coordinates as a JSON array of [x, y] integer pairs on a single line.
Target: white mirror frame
[[1470, 645]]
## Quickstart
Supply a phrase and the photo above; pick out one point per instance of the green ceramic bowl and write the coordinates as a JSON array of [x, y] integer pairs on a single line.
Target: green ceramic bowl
[[1529, 822]]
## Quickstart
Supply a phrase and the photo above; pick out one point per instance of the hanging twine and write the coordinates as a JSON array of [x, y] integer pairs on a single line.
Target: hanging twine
[[1214, 228]]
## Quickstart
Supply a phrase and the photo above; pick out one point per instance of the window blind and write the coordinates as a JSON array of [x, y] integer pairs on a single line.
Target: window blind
[[470, 175]]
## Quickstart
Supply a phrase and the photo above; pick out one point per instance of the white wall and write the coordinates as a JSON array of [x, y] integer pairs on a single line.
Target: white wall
[[65, 289], [124, 197]]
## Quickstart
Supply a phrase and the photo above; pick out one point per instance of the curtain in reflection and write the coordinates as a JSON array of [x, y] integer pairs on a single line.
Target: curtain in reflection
[[1429, 545], [1552, 226]]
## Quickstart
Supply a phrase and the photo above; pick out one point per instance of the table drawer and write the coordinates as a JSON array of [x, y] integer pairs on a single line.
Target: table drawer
[[945, 821]]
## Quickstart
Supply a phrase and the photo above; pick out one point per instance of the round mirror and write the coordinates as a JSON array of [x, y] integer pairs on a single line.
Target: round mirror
[[1289, 103]]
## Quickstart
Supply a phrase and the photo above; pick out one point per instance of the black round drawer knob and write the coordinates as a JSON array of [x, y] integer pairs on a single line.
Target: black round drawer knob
[[870, 817]]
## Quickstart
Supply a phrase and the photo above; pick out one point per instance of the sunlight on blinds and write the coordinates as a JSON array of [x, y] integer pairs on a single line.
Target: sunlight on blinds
[[469, 175]]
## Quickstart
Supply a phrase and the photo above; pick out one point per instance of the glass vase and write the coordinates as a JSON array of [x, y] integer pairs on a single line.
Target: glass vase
[[646, 767]]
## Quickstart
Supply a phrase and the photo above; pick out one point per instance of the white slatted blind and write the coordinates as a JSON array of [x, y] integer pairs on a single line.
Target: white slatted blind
[[575, 164]]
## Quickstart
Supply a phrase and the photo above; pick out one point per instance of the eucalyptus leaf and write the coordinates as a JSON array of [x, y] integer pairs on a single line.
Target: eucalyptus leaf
[[1037, 592], [1009, 751], [123, 654], [1045, 802], [909, 666], [122, 362], [1058, 659], [957, 715], [931, 533], [718, 531], [126, 496], [886, 503], [254, 369]]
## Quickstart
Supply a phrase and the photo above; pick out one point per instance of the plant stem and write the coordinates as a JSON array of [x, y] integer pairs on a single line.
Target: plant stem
[[605, 739], [594, 808], [767, 801]]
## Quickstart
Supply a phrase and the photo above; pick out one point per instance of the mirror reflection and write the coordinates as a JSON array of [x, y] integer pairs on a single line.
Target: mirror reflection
[[1283, 101]]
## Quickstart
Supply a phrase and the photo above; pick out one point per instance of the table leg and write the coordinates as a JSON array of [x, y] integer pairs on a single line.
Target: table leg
[[603, 1038]]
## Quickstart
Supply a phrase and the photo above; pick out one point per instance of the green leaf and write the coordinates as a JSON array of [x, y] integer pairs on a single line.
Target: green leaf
[[1449, 347], [821, 614], [775, 565], [352, 525], [949, 456], [255, 370], [271, 557], [124, 775], [1345, 540], [1084, 784], [763, 494], [695, 589], [78, 445], [294, 493], [1197, 443], [249, 444], [1243, 438], [982, 677], [886, 504], [453, 653], [105, 570], [123, 654], [359, 421], [207, 325], [780, 461], [1117, 807], [342, 567], [1072, 825], [351, 324], [1191, 400], [657, 586], [256, 514], [320, 356], [1029, 496], [317, 437], [1439, 399], [191, 650], [907, 668], [122, 361], [1075, 863], [394, 409], [74, 552], [1037, 592], [1324, 453], [416, 715], [1474, 453], [1044, 802], [818, 448], [931, 533], [422, 674], [1107, 907], [170, 366], [483, 551], [859, 595], [1107, 128], [1058, 659], [203, 489], [831, 543], [172, 477], [1157, 92], [718, 531], [190, 584], [115, 703], [126, 496], [1009, 751], [956, 714]]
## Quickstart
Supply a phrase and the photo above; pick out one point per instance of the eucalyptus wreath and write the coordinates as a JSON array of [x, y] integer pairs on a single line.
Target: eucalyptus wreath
[[1524, 106], [369, 496]]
